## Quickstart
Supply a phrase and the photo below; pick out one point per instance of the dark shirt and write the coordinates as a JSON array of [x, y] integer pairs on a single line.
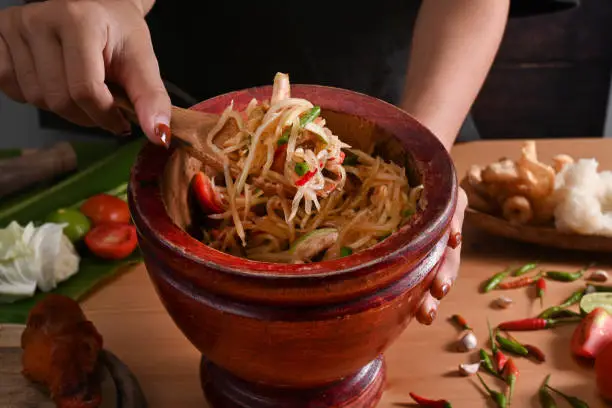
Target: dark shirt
[[211, 47]]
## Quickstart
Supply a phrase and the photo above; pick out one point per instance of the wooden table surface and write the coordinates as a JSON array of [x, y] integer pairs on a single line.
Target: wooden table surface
[[137, 329]]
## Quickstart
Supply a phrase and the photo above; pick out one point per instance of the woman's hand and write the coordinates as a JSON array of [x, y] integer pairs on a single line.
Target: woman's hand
[[59, 54], [448, 270]]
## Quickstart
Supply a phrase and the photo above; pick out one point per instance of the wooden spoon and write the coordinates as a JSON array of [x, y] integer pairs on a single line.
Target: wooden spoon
[[189, 128]]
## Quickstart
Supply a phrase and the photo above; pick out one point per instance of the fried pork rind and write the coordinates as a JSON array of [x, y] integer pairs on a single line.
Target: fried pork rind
[[521, 191], [517, 209], [61, 351]]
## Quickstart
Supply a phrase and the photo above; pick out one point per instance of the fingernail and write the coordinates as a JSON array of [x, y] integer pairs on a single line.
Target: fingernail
[[431, 316], [454, 240], [445, 288], [163, 133]]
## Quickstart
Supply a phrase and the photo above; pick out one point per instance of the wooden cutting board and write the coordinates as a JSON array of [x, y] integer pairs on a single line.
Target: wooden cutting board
[[119, 387]]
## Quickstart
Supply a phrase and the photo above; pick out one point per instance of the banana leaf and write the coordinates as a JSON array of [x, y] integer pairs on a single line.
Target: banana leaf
[[104, 174]]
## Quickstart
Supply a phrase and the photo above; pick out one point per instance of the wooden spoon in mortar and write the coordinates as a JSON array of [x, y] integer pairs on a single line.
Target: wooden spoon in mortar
[[189, 128]]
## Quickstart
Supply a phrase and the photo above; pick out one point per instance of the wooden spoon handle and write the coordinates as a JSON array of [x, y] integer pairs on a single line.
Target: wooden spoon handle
[[20, 172]]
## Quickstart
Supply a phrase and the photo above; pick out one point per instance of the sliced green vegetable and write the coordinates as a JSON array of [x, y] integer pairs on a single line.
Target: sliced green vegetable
[[77, 224], [284, 139], [594, 300], [346, 251], [350, 159], [301, 168], [309, 116]]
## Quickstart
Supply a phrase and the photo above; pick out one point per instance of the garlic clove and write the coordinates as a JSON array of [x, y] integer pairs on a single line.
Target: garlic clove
[[503, 302], [598, 275], [469, 369], [468, 341]]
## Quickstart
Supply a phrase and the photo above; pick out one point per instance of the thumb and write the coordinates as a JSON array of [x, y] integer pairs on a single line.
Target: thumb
[[138, 73]]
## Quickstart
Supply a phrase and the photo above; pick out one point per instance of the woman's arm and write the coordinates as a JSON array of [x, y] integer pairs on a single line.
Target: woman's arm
[[453, 47]]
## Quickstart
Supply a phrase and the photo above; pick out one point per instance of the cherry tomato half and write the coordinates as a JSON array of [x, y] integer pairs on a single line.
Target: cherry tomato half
[[105, 208], [592, 333], [603, 370], [205, 194], [112, 241]]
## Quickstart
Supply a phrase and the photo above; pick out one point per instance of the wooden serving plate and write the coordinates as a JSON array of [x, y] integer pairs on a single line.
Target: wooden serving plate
[[545, 236], [119, 387]]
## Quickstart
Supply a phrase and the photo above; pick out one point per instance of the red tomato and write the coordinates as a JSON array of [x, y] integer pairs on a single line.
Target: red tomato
[[593, 332], [105, 208], [603, 369], [205, 194], [112, 241]]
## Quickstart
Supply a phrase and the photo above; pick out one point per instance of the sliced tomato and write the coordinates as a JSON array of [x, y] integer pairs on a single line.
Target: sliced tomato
[[112, 241], [593, 332], [105, 208], [280, 156], [205, 194], [603, 371]]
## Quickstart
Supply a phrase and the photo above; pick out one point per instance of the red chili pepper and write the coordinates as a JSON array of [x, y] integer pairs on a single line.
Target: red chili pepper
[[535, 352], [426, 402], [306, 178], [518, 283], [541, 288], [500, 360], [535, 323], [511, 373], [461, 322]]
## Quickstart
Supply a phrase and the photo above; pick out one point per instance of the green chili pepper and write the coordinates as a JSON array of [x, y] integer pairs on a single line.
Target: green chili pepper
[[498, 397], [568, 276], [350, 159], [564, 276], [487, 362], [310, 116], [574, 298], [601, 288], [575, 402], [546, 400], [346, 251], [409, 212], [491, 337], [557, 312], [511, 346], [495, 280], [284, 139], [304, 120], [525, 268]]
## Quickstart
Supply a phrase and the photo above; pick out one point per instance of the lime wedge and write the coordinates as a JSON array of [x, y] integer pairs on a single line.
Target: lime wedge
[[595, 300]]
